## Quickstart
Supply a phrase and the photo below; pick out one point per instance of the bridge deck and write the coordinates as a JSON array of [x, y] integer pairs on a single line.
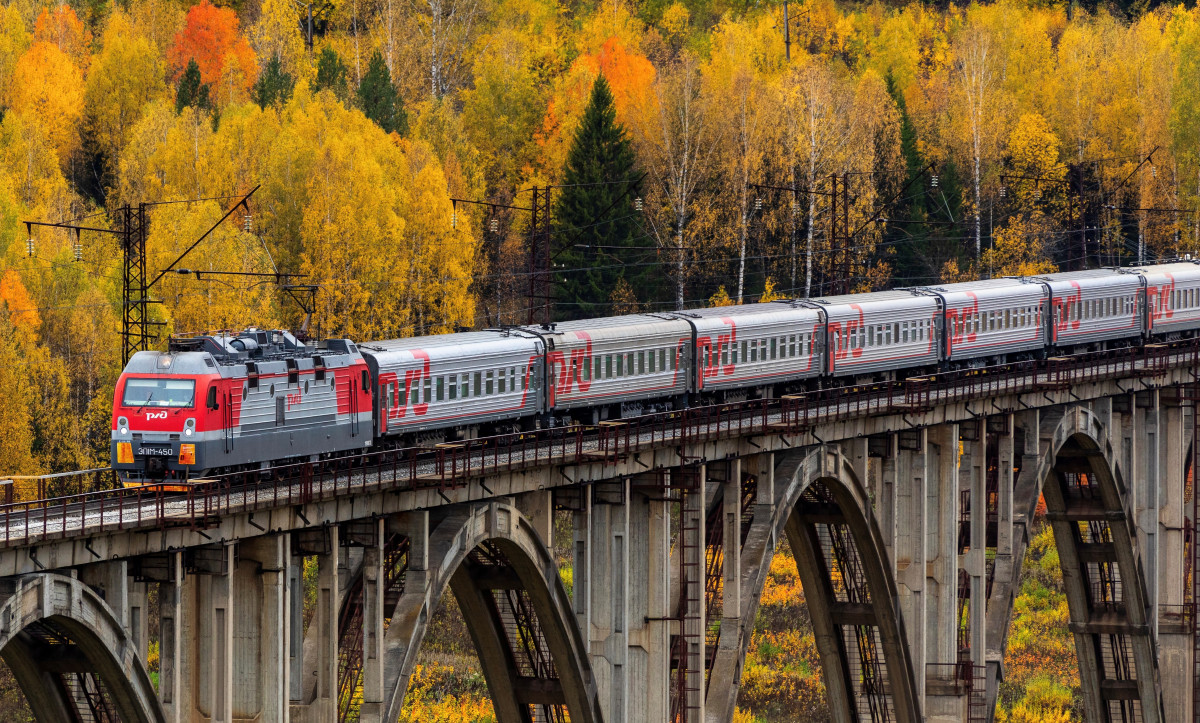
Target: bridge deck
[[449, 466]]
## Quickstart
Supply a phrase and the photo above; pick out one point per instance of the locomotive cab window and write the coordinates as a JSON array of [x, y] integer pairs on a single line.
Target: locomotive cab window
[[212, 397], [179, 393]]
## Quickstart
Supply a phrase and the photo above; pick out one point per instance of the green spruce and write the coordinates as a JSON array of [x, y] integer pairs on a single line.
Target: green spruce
[[274, 85], [597, 232], [192, 93], [331, 73], [378, 97]]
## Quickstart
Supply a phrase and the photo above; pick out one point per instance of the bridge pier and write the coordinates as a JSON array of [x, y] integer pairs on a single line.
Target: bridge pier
[[608, 570]]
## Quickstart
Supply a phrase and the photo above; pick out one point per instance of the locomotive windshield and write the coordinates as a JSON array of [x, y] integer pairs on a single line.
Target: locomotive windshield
[[159, 393]]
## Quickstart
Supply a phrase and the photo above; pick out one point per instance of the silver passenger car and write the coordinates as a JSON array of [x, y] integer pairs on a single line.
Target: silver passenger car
[[880, 331], [452, 380], [755, 345], [1093, 306], [1172, 297], [616, 360], [992, 317]]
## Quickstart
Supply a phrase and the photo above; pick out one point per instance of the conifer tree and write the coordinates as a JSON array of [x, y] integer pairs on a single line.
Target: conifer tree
[[274, 85], [191, 92], [596, 229], [331, 73], [378, 97]]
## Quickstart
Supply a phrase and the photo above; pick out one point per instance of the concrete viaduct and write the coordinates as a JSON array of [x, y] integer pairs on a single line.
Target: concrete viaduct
[[907, 504]]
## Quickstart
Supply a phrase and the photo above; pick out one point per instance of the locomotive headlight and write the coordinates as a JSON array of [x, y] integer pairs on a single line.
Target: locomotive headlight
[[187, 432], [123, 423], [188, 427]]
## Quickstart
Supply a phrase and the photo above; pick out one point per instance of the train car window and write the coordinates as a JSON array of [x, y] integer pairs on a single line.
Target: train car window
[[453, 387], [662, 359], [502, 375], [441, 389], [414, 391], [745, 356], [477, 387], [641, 362], [620, 363], [427, 396], [773, 349], [904, 331], [753, 350], [489, 378]]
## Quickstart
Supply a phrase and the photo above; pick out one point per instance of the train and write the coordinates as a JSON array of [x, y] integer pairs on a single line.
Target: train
[[230, 401]]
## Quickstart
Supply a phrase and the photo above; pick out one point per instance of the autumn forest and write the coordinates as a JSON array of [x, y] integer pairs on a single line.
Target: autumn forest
[[694, 152]]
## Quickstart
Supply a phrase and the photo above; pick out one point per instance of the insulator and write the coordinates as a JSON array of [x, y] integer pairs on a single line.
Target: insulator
[[637, 204], [493, 225], [1003, 191], [453, 219], [758, 204], [1154, 171], [78, 251], [934, 181], [1038, 194], [795, 209], [247, 223], [29, 247]]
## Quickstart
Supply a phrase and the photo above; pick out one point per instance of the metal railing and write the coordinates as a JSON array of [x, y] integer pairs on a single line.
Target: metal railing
[[94, 506]]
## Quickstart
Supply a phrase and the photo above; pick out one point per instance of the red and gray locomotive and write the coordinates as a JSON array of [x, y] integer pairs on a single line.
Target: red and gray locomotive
[[248, 400]]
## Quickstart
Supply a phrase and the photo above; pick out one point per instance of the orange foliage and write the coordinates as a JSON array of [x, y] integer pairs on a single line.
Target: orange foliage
[[209, 35], [629, 75], [63, 28], [21, 308]]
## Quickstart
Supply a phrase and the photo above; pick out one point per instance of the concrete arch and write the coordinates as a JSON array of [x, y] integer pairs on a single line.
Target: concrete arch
[[818, 501], [1085, 497], [69, 652], [486, 552]]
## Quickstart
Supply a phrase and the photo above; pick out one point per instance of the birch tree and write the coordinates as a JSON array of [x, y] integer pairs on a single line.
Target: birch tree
[[975, 75], [678, 140]]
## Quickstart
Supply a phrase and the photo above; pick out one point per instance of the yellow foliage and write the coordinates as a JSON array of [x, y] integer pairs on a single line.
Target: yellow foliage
[[14, 41], [48, 88], [427, 701], [675, 20], [769, 293], [125, 76], [1017, 250], [721, 298]]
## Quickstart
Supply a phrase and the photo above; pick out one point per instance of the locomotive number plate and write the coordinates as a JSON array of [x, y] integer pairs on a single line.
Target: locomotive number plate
[[156, 450]]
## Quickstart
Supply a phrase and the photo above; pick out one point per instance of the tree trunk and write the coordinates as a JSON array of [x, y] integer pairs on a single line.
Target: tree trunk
[[742, 256], [357, 55], [978, 203], [679, 220], [808, 255]]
